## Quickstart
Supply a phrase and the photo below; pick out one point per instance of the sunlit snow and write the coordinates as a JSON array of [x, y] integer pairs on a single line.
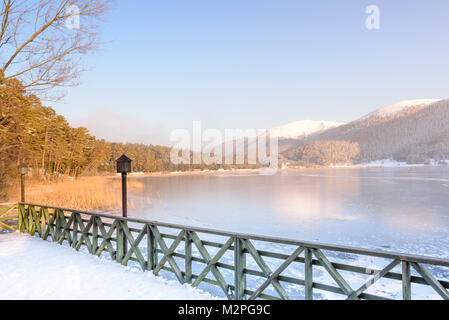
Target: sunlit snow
[[31, 268]]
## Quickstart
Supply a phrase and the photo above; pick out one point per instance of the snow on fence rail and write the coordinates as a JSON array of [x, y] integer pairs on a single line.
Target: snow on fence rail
[[242, 266]]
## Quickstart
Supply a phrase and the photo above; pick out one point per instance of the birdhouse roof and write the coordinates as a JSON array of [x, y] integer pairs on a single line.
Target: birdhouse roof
[[124, 158]]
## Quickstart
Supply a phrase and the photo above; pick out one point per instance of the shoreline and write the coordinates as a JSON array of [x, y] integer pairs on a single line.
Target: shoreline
[[262, 170]]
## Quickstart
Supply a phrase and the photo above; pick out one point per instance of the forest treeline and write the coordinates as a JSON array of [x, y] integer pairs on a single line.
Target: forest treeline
[[324, 153], [35, 134]]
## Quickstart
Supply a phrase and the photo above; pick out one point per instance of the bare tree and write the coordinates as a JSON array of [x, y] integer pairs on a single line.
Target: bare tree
[[41, 43]]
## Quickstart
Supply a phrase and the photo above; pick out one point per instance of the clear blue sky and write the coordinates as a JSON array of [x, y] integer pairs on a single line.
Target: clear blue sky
[[256, 64]]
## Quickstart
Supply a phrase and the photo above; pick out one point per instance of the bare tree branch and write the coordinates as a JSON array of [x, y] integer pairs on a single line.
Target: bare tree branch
[[38, 48]]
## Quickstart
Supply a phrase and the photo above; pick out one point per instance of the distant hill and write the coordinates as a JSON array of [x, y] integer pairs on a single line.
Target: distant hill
[[292, 134], [301, 129], [289, 135], [413, 131]]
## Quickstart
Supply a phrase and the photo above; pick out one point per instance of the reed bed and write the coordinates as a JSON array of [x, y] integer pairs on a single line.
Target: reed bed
[[87, 193]]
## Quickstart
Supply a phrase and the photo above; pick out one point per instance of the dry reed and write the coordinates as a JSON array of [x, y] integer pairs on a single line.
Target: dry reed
[[87, 193]]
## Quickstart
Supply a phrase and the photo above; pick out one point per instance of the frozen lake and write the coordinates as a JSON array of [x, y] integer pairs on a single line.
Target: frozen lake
[[393, 209]]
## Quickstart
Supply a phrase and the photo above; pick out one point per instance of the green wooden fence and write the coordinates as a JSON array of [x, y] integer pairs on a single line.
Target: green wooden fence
[[7, 216], [156, 250]]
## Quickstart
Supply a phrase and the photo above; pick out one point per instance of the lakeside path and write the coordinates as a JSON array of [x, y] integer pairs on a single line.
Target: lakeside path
[[31, 268]]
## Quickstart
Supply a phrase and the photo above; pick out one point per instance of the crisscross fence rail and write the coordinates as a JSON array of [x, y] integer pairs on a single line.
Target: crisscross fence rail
[[194, 256], [6, 215]]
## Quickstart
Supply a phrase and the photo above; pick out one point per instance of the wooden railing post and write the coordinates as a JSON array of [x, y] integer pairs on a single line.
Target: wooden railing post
[[151, 249], [75, 230], [406, 281], [22, 217], [61, 231], [45, 221], [308, 270], [120, 242], [239, 265], [64, 221], [59, 226], [94, 247], [188, 259]]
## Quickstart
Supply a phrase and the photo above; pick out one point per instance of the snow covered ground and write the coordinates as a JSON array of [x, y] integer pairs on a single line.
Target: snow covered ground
[[390, 163], [387, 163], [34, 269], [31, 268]]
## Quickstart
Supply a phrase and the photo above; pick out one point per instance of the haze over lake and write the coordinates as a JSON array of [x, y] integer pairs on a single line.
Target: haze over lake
[[394, 209]]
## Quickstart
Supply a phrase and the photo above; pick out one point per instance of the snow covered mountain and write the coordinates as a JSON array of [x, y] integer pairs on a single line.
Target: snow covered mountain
[[300, 129], [401, 106], [412, 131]]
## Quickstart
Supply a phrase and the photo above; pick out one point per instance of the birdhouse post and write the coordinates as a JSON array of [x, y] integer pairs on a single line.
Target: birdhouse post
[[23, 171], [124, 167]]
